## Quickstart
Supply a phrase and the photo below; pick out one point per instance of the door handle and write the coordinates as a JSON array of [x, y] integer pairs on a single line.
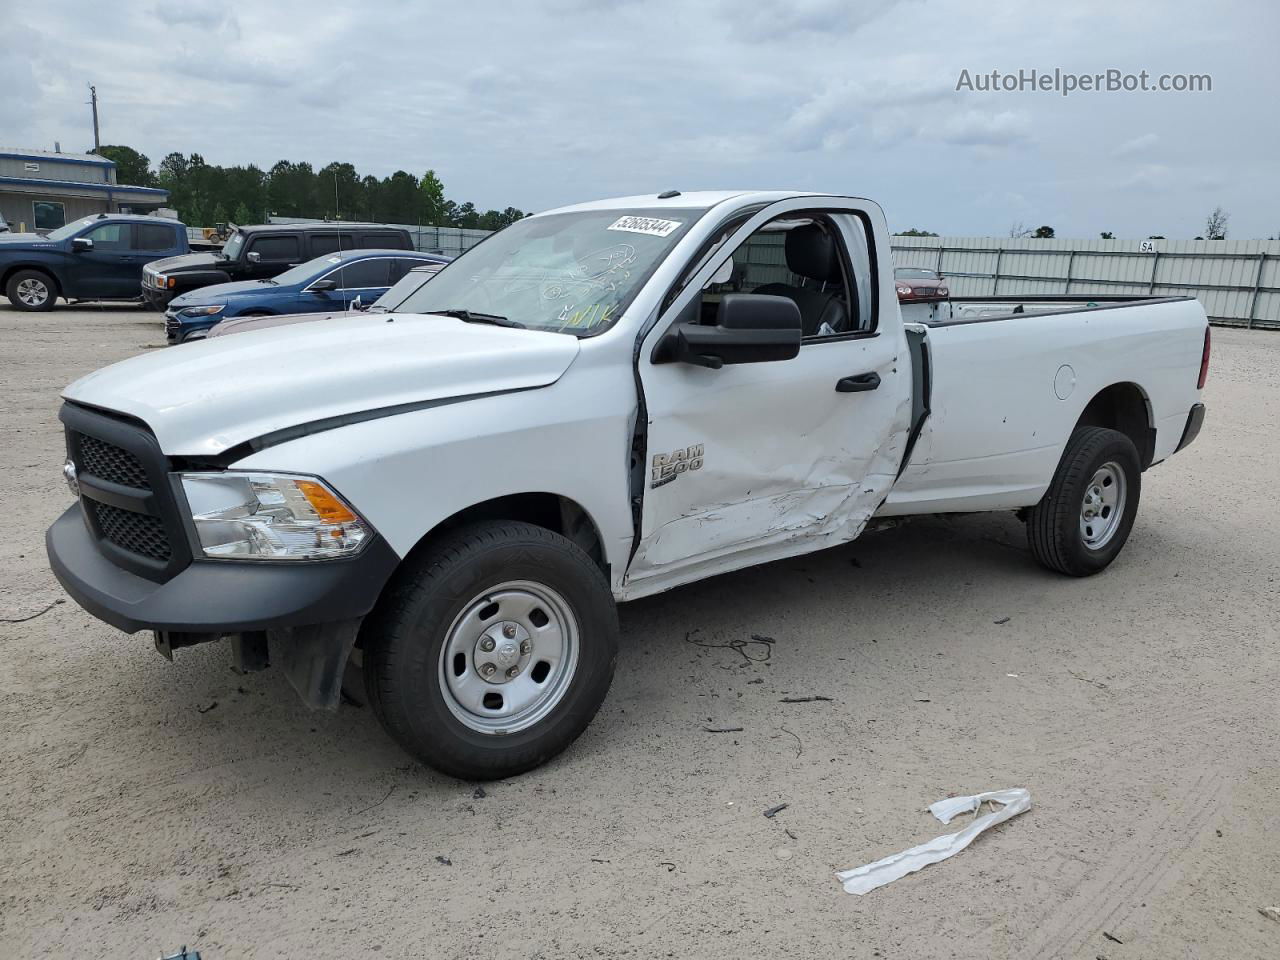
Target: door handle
[[858, 384]]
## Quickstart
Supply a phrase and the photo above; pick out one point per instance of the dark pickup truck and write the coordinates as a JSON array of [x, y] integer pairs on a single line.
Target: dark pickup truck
[[97, 258], [262, 252]]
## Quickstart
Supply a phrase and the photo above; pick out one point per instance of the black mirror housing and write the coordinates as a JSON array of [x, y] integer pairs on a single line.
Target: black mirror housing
[[82, 244], [750, 328], [320, 286]]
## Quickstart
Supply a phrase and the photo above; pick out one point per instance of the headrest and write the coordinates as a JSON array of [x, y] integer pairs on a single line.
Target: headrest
[[811, 252]]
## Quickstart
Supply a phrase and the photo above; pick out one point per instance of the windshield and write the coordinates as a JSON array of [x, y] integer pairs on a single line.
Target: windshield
[[566, 272], [406, 285], [914, 273], [306, 271], [70, 229], [231, 249]]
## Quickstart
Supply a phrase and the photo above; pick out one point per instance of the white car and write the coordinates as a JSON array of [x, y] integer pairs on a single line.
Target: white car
[[596, 404]]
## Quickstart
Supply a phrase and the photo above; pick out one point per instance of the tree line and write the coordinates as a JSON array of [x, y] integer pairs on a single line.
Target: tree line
[[204, 194]]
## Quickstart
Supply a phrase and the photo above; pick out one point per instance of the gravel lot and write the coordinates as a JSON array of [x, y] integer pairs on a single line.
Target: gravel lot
[[146, 805]]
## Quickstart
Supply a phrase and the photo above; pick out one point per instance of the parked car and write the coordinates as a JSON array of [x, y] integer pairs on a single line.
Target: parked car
[[919, 283], [97, 258], [263, 252], [574, 415], [389, 301], [326, 283]]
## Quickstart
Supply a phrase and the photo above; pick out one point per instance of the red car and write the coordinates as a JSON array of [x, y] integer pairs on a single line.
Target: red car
[[918, 284]]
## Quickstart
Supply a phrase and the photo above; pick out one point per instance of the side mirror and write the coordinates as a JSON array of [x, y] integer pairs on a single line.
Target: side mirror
[[357, 303], [253, 256], [82, 244], [321, 286], [750, 328]]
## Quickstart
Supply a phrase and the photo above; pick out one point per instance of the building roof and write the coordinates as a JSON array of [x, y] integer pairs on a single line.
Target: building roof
[[36, 184], [22, 153]]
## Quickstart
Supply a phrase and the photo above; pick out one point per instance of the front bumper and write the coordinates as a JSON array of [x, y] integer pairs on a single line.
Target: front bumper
[[157, 298], [216, 596]]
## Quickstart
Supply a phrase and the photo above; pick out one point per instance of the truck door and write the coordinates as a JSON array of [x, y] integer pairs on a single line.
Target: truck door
[[111, 269], [756, 461]]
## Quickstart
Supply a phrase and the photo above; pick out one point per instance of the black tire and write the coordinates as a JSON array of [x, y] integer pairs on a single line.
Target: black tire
[[23, 284], [1055, 528], [403, 643]]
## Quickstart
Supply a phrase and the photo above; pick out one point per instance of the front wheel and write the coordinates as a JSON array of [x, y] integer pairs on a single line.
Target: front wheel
[[1083, 520], [31, 290], [492, 653]]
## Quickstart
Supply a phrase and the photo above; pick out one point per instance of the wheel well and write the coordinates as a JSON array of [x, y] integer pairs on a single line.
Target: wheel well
[[549, 510], [1124, 407], [38, 268]]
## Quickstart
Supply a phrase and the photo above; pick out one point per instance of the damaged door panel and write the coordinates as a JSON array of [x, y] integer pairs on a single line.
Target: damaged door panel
[[787, 460]]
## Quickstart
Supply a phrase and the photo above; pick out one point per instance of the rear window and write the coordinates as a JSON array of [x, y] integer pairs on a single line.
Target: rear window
[[386, 240], [154, 236]]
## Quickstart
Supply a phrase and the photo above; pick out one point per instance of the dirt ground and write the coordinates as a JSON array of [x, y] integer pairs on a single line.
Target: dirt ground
[[146, 805]]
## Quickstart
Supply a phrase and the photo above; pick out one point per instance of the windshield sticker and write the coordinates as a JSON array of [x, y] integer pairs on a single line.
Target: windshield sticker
[[651, 226]]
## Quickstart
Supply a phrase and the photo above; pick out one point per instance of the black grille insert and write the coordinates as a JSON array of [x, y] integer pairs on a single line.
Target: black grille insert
[[108, 462], [135, 532]]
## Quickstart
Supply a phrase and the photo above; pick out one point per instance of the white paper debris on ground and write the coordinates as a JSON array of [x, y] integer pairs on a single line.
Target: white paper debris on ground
[[1012, 802]]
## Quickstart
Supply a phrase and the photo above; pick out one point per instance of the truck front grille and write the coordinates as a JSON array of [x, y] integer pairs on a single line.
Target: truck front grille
[[128, 501], [108, 462], [135, 532]]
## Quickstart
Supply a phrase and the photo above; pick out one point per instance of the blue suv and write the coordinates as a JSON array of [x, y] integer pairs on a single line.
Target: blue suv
[[331, 282]]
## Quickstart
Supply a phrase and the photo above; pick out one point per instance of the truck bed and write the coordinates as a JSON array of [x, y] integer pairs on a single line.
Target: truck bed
[[1004, 396]]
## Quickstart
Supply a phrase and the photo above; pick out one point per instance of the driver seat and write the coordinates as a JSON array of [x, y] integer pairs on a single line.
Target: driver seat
[[812, 253]]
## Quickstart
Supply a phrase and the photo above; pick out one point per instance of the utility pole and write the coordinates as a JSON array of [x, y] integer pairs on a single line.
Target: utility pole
[[93, 102]]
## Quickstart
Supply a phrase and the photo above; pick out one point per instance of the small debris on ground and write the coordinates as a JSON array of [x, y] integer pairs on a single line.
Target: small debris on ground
[[788, 832], [208, 708], [813, 699], [478, 793], [598, 860], [671, 867], [1001, 621], [444, 860], [723, 729], [1271, 913], [347, 853], [774, 811], [921, 700], [1112, 937], [38, 613], [756, 650], [782, 853], [756, 680]]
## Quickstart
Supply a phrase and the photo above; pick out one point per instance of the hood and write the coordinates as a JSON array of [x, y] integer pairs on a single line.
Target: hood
[[218, 292], [245, 324], [203, 398], [187, 262], [30, 239]]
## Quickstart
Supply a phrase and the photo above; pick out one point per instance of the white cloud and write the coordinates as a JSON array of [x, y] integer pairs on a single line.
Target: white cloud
[[538, 104]]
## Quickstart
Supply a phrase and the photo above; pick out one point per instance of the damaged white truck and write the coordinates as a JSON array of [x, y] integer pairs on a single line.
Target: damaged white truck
[[595, 404]]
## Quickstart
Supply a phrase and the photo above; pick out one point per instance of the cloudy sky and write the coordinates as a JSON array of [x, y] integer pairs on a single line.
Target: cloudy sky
[[555, 101]]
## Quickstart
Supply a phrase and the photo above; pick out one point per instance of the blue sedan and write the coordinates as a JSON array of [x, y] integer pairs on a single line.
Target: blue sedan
[[327, 283]]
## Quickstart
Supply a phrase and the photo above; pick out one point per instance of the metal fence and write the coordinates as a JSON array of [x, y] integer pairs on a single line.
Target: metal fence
[[1238, 281], [450, 241]]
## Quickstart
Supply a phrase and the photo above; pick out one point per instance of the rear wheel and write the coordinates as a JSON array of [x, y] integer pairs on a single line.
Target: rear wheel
[[492, 653], [31, 290], [1084, 519]]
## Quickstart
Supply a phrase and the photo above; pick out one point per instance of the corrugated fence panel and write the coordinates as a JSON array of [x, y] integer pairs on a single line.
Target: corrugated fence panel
[[1237, 281]]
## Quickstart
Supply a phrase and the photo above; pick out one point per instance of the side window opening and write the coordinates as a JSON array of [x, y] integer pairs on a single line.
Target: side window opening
[[803, 257]]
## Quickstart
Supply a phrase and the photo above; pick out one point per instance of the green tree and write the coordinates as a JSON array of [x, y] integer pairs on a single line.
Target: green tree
[[132, 168], [430, 199], [913, 232], [1108, 235], [242, 216], [339, 189], [1043, 233]]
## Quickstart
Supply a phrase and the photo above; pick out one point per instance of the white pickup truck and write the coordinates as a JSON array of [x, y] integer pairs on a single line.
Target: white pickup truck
[[595, 404]]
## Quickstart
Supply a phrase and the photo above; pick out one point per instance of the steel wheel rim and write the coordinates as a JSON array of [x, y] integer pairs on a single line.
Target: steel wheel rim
[[519, 626], [1102, 506], [32, 292]]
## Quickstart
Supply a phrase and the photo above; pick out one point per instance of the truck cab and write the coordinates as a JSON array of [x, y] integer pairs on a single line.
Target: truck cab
[[263, 252], [95, 258]]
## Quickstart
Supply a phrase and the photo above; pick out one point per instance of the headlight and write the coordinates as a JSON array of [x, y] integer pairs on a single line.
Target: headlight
[[267, 516], [904, 290], [202, 311], [944, 292]]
